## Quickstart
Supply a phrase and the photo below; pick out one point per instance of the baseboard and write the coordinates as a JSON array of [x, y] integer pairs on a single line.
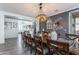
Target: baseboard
[[10, 38]]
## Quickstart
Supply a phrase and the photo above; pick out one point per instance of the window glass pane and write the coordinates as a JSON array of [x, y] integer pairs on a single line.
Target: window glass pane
[[77, 25]]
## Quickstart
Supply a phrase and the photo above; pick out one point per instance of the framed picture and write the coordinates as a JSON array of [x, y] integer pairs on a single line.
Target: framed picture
[[49, 24]]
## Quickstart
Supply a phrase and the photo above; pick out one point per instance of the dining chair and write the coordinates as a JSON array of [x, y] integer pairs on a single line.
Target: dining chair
[[38, 46]]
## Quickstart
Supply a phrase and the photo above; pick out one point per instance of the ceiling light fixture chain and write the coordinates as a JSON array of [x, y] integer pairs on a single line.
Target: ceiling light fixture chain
[[40, 6]]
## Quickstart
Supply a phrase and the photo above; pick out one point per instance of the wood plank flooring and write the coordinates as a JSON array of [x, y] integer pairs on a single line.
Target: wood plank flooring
[[13, 46]]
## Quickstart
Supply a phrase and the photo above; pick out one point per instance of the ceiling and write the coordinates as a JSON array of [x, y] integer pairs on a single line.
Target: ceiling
[[31, 9]]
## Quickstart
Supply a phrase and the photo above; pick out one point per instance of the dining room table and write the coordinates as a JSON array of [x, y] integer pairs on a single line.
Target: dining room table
[[60, 43]]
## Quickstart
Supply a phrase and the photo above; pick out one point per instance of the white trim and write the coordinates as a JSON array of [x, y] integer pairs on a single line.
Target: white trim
[[17, 15], [69, 21], [74, 11]]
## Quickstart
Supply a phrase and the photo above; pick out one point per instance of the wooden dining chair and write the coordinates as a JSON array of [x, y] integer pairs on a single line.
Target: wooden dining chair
[[38, 46], [58, 48], [24, 39], [30, 43]]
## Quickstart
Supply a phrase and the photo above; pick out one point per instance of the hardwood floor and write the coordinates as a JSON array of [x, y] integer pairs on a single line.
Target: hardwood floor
[[13, 46]]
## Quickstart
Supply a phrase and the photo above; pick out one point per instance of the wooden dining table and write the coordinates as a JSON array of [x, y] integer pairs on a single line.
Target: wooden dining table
[[60, 43]]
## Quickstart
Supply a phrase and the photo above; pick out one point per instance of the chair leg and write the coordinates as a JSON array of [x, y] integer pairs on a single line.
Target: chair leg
[[23, 44], [35, 51], [31, 49]]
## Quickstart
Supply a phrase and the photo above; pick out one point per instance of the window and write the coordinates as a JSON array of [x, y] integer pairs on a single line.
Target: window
[[77, 25]]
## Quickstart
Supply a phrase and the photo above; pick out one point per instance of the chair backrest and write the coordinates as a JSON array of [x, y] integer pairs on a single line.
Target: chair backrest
[[24, 37], [39, 43], [63, 45]]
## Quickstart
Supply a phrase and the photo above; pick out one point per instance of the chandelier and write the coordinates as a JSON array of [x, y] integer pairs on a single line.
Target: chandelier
[[41, 17]]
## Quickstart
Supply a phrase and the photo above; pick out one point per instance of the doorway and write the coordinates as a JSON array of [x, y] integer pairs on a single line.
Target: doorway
[[14, 26], [74, 22]]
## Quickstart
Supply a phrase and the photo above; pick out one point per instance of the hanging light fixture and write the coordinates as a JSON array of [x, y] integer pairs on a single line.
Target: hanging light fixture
[[41, 17]]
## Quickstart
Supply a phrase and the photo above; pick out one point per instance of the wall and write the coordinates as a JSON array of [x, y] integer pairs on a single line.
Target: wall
[[21, 26], [10, 31], [1, 28], [24, 26], [2, 14], [67, 19], [64, 20], [14, 18], [42, 26]]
